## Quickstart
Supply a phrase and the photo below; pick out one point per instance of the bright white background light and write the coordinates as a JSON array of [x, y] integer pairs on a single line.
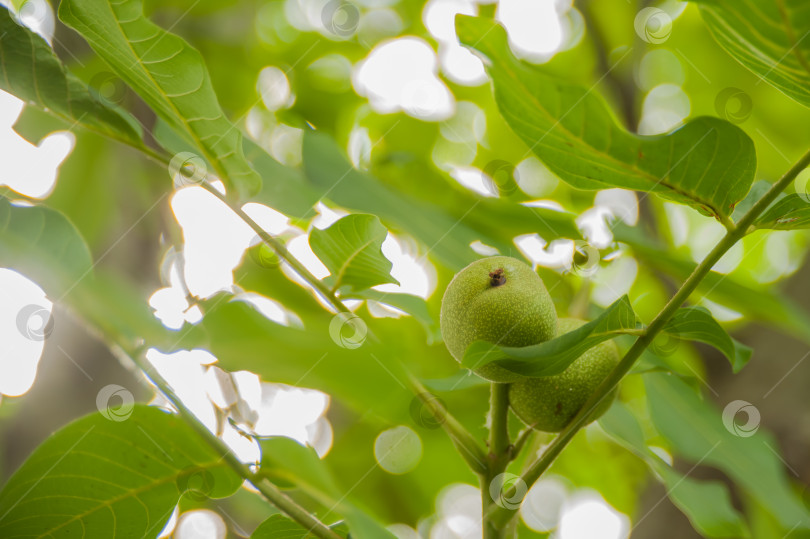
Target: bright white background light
[[19, 354]]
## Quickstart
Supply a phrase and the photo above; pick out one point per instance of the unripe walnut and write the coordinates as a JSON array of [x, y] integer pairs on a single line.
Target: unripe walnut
[[501, 300], [549, 403]]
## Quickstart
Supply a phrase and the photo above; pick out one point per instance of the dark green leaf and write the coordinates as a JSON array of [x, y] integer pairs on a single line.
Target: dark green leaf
[[767, 37], [708, 163], [554, 356], [30, 70], [706, 503], [169, 75], [788, 213], [696, 431], [118, 477], [698, 324], [43, 245], [447, 234], [332, 174], [242, 338], [352, 251], [283, 188]]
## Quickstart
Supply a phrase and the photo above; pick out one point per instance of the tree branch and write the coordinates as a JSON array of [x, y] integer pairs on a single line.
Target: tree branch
[[270, 491], [734, 234]]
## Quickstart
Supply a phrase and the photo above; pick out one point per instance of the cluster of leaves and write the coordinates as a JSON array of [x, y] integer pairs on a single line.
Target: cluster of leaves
[[97, 477]]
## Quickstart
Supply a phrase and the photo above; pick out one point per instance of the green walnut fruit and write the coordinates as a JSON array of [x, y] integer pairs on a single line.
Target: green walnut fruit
[[500, 300], [549, 403]]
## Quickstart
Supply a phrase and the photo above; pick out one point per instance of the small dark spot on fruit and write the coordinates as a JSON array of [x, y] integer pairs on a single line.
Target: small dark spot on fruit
[[558, 409], [497, 278]]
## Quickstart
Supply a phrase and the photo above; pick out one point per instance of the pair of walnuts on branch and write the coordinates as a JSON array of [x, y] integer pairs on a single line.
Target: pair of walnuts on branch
[[501, 300]]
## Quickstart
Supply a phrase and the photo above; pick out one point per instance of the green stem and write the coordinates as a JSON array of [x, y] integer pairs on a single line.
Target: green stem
[[281, 251], [500, 453], [499, 416], [464, 442], [270, 491], [501, 516]]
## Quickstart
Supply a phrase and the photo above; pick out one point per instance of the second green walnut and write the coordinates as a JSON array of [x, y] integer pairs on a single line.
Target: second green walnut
[[549, 403]]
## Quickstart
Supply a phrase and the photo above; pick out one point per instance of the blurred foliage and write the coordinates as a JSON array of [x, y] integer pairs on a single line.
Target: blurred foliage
[[111, 207]]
